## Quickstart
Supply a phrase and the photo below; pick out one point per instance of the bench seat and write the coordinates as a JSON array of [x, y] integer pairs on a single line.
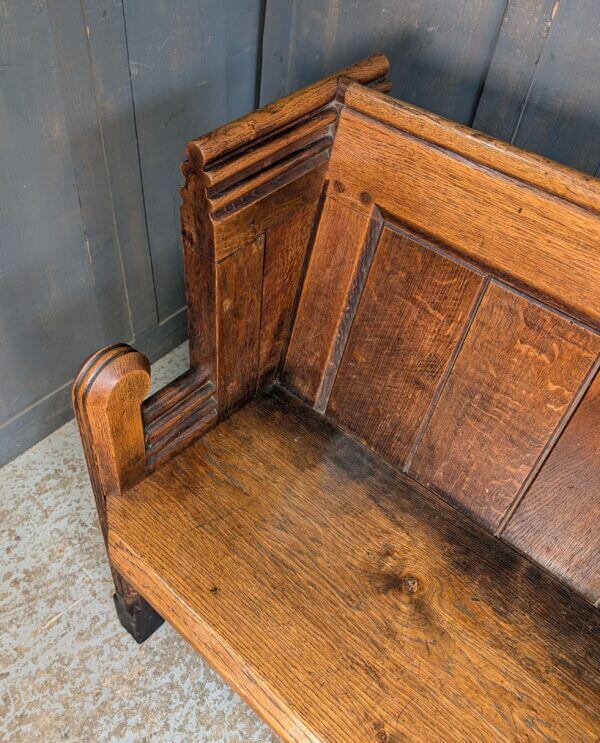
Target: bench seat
[[345, 601], [372, 502]]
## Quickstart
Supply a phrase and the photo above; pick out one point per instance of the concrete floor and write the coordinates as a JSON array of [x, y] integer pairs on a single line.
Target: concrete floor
[[68, 671]]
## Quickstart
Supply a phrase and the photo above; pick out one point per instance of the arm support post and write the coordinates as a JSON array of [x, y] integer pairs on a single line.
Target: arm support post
[[107, 398]]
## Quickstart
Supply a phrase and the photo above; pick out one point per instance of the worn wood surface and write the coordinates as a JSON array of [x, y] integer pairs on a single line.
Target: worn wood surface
[[464, 209], [248, 184], [346, 603], [107, 399], [344, 244], [532, 169], [178, 413], [557, 520], [94, 125], [412, 315], [292, 108], [514, 379], [238, 302], [285, 255], [538, 242]]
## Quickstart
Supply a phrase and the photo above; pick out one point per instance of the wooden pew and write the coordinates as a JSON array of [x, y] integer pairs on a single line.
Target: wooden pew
[[372, 503]]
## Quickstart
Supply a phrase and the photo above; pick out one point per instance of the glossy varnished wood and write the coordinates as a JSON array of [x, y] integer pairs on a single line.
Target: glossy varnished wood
[[517, 372], [411, 317], [557, 522], [347, 603]]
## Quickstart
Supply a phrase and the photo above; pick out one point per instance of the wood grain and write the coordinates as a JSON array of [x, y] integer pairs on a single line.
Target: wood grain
[[343, 247], [412, 313], [278, 199], [518, 369], [346, 603], [107, 397], [538, 171], [540, 243], [283, 112], [285, 253], [238, 307], [262, 154], [557, 520]]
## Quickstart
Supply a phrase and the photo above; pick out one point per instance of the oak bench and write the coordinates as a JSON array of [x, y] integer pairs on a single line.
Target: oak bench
[[372, 503]]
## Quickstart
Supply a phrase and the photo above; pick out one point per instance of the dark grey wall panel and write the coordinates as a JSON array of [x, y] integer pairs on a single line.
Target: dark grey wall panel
[[561, 117], [522, 36], [76, 268], [193, 67], [439, 51], [107, 44], [61, 290]]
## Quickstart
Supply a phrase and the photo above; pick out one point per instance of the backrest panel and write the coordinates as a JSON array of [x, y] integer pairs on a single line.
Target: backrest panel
[[413, 314], [557, 520], [450, 317], [284, 257], [515, 378], [537, 241], [344, 243]]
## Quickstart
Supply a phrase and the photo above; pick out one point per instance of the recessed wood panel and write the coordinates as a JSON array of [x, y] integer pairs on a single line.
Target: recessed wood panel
[[541, 243], [285, 250], [340, 259], [557, 522], [411, 316], [238, 300], [513, 380]]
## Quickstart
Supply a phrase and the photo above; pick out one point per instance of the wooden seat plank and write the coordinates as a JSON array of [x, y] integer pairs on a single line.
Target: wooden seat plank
[[344, 601]]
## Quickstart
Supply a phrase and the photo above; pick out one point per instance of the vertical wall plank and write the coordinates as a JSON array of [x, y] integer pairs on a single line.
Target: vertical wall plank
[[107, 45], [193, 67], [522, 36], [439, 52], [52, 274], [561, 118], [517, 372], [87, 150]]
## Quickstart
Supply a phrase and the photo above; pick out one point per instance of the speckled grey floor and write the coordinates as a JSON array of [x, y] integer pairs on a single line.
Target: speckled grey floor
[[68, 671]]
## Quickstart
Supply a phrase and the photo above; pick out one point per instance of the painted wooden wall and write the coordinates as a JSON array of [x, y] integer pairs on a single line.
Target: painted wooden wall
[[97, 100]]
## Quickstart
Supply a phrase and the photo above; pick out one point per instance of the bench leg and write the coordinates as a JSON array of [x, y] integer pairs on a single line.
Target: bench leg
[[135, 613]]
